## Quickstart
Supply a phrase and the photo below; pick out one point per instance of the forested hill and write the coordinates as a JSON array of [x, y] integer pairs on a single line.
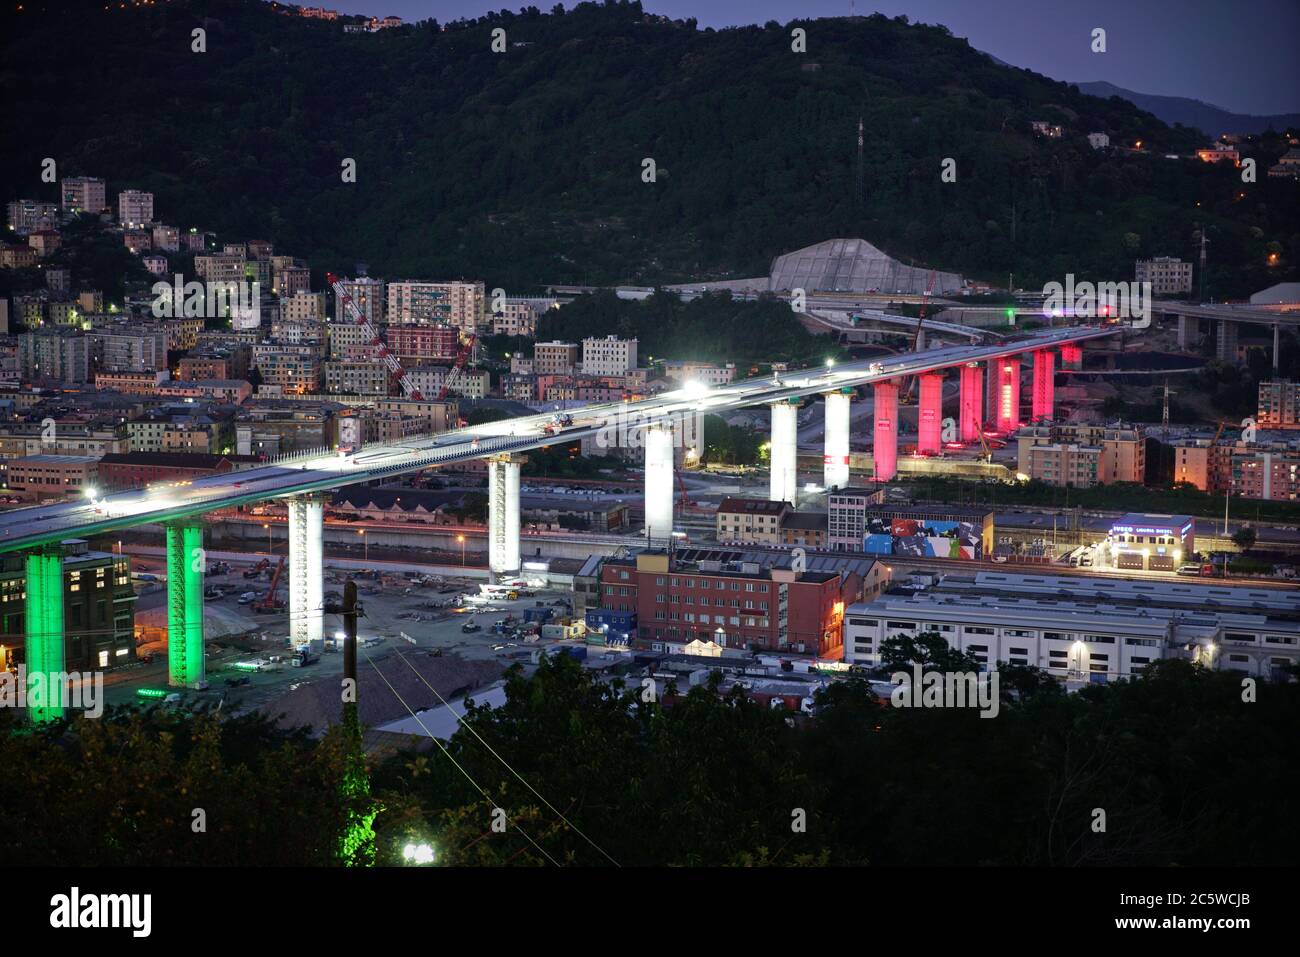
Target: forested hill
[[525, 167]]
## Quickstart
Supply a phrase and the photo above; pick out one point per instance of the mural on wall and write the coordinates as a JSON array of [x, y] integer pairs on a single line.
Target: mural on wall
[[923, 538]]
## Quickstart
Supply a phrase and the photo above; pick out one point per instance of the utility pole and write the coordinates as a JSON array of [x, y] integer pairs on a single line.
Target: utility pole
[[356, 847]]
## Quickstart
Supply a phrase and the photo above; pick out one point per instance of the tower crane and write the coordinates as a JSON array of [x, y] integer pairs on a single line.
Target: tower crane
[[357, 316]]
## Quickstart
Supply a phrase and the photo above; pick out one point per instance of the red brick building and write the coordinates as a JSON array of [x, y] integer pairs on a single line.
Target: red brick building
[[737, 604], [137, 469], [423, 342]]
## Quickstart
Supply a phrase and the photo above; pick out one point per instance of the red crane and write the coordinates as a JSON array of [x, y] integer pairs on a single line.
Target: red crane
[[462, 353], [381, 348], [269, 602]]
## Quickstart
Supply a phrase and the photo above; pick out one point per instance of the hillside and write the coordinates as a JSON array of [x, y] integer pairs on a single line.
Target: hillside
[[1209, 119], [524, 167]]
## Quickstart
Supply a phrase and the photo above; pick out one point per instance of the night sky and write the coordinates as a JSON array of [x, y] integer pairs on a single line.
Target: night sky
[[1236, 55]]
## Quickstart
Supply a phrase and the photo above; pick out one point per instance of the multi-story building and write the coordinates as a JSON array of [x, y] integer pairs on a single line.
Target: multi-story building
[[369, 297], [59, 437], [1267, 470], [84, 194], [457, 303], [134, 207], [748, 605], [51, 476], [750, 520], [130, 383], [295, 426], [464, 382], [289, 281], [608, 355], [432, 415], [137, 241], [1098, 141], [138, 469], [220, 267], [1168, 276], [555, 358], [415, 344], [1111, 629], [348, 340], [166, 238], [293, 373], [45, 242], [303, 306], [351, 377], [130, 347], [57, 354], [28, 215], [846, 520], [17, 257], [516, 317], [1279, 404], [229, 363], [1081, 455], [805, 529], [232, 391], [705, 373], [98, 606]]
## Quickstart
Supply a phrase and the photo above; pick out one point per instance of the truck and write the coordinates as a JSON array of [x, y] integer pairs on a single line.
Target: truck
[[303, 657]]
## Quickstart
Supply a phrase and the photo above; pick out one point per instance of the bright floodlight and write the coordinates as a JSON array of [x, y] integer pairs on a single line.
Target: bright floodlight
[[92, 493], [695, 389], [418, 853], [830, 363]]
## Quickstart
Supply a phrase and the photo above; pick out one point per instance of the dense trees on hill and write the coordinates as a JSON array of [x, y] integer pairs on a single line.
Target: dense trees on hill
[[524, 167]]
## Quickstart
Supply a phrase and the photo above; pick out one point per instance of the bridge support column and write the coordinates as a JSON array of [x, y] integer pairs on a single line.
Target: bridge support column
[[46, 690], [929, 416], [1189, 332], [659, 482], [884, 449], [1225, 343], [186, 667], [503, 513], [1044, 384], [835, 467], [972, 402], [306, 571], [784, 453], [1008, 397], [1277, 343], [1071, 355]]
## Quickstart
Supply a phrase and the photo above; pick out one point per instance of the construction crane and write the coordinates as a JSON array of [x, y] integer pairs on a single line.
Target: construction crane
[[381, 348], [916, 339], [462, 353], [268, 601]]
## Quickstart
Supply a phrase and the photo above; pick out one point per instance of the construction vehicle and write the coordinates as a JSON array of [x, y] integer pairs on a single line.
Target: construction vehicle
[[269, 602], [381, 348], [561, 420], [257, 569]]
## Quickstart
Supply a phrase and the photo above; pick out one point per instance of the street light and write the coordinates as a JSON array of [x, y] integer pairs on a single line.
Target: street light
[[461, 539], [365, 544], [269, 549]]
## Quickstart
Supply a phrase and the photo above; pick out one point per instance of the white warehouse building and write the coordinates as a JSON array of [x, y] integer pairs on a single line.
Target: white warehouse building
[[1087, 629]]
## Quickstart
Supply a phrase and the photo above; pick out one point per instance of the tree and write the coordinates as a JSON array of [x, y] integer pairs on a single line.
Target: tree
[[1245, 538], [929, 650]]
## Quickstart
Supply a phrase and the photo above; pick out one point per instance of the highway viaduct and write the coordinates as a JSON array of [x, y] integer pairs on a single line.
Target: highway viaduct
[[658, 425]]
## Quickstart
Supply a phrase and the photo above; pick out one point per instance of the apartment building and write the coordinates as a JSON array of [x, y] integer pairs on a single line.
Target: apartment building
[[423, 342], [220, 267], [57, 354], [466, 383], [353, 377], [460, 304], [302, 306], [847, 509], [432, 415], [130, 347], [608, 355], [296, 372], [18, 439], [1168, 276], [1081, 456], [705, 373], [555, 358], [369, 296], [28, 215], [1279, 404], [135, 208], [516, 317], [84, 194], [290, 281], [750, 520], [166, 238]]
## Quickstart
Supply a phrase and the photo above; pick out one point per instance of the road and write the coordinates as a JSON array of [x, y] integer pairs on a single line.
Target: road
[[42, 525]]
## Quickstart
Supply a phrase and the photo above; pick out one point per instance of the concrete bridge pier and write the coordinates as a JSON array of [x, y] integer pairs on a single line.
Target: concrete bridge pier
[[43, 626], [784, 452], [306, 571], [835, 470], [972, 402], [1189, 332], [1225, 342], [186, 561], [1008, 396], [503, 513], [884, 448], [929, 415], [1044, 398]]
